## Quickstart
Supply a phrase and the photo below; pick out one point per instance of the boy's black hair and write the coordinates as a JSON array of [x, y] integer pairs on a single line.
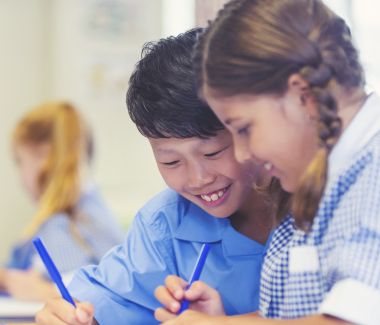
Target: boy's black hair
[[162, 97]]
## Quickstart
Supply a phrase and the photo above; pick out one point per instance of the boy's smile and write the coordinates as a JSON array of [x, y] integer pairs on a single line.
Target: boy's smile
[[215, 198], [204, 171]]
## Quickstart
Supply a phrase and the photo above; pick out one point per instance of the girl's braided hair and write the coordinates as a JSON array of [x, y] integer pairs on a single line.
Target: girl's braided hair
[[254, 46]]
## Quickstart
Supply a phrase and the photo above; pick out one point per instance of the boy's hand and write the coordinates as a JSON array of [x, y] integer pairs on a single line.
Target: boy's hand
[[202, 298], [58, 312]]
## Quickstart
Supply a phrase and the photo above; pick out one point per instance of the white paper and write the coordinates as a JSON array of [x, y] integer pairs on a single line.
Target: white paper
[[13, 308]]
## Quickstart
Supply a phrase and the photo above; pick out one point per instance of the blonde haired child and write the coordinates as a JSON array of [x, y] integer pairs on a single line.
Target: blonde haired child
[[52, 146]]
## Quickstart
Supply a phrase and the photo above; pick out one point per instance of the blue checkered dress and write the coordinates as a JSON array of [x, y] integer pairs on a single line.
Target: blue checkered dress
[[345, 235]]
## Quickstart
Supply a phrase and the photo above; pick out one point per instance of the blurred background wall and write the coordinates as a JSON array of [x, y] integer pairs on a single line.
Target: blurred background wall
[[84, 51]]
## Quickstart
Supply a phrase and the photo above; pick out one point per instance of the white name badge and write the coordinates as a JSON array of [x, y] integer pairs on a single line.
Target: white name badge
[[303, 259]]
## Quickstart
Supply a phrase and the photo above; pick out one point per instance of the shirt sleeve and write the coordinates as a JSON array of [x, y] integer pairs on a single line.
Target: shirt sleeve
[[121, 287], [355, 294], [355, 297]]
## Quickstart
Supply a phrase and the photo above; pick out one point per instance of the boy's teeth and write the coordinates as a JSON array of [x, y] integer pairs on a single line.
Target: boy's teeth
[[213, 196], [206, 198]]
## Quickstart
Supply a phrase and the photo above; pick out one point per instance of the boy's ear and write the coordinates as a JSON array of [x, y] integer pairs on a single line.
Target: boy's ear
[[300, 87]]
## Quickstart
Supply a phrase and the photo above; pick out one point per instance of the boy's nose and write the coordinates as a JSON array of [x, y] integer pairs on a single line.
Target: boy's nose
[[199, 177]]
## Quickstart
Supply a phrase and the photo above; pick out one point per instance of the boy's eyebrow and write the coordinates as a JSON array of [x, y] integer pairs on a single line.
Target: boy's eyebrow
[[161, 150], [173, 151]]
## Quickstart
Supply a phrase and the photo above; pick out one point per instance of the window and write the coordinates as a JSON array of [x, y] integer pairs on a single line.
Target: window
[[362, 16]]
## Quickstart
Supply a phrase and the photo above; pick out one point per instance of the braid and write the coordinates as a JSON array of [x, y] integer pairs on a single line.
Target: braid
[[333, 65], [308, 194]]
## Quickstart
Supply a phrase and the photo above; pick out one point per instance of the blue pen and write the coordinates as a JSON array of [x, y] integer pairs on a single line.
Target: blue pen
[[52, 269], [196, 273]]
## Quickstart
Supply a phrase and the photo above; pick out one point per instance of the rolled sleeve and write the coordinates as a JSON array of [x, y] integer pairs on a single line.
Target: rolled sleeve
[[353, 301], [121, 287], [355, 295]]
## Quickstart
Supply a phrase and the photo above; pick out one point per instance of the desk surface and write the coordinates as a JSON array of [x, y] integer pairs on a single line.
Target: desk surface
[[14, 311], [16, 321], [31, 323]]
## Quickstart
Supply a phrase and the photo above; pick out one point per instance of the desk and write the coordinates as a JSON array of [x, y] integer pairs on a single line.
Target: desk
[[32, 323], [14, 311], [17, 322]]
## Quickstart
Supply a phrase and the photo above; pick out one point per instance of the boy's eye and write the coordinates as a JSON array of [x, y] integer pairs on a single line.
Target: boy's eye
[[215, 153], [170, 163]]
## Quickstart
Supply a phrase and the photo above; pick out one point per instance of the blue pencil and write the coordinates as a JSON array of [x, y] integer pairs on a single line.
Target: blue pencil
[[196, 273], [52, 269]]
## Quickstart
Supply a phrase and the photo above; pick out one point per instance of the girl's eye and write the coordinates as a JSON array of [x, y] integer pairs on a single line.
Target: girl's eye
[[244, 130], [170, 163], [215, 153]]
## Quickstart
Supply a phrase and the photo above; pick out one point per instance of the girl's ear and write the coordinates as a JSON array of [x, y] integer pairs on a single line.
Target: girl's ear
[[297, 83], [300, 88]]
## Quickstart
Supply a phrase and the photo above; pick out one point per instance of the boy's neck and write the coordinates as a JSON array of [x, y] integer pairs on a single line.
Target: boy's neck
[[256, 218]]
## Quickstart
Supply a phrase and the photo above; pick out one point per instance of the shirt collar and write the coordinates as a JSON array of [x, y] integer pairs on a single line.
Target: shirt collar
[[364, 126], [199, 226], [236, 244]]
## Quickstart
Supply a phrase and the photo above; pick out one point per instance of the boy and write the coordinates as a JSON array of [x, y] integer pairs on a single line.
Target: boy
[[211, 200]]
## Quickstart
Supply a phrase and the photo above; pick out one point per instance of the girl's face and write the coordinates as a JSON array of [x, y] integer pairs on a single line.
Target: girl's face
[[277, 133], [30, 160], [205, 172]]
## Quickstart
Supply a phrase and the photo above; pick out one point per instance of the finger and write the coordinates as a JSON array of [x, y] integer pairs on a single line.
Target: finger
[[44, 317], [184, 318], [201, 291], [176, 286], [62, 310], [164, 296], [84, 312], [163, 315]]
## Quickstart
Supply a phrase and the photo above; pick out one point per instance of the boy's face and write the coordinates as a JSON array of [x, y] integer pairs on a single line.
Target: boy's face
[[205, 172]]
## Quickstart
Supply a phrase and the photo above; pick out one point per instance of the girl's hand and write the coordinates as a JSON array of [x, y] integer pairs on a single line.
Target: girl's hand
[[58, 312], [29, 285], [202, 298]]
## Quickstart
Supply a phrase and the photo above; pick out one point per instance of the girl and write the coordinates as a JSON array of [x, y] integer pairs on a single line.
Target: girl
[[285, 79], [51, 145]]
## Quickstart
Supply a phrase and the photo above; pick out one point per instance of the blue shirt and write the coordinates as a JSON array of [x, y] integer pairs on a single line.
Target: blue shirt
[[165, 238], [96, 226], [334, 268]]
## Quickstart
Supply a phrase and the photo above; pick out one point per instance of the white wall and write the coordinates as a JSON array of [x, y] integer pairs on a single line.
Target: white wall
[[177, 16], [23, 82], [83, 51], [92, 67]]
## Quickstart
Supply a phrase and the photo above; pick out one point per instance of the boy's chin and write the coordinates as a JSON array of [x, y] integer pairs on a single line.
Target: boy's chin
[[222, 214]]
